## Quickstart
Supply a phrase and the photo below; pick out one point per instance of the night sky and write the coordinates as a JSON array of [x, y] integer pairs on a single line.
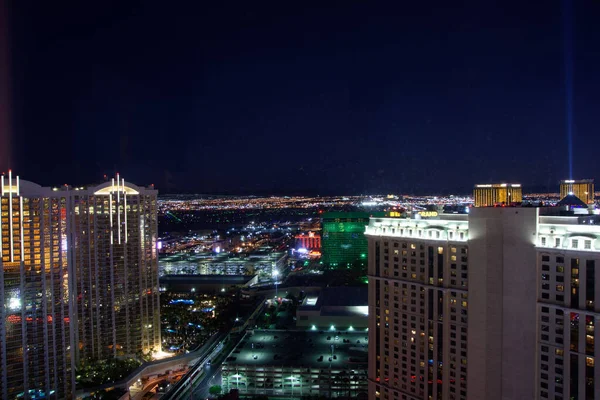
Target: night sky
[[300, 97]]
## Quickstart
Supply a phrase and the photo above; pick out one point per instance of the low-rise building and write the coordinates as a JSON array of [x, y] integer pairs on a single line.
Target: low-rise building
[[299, 363], [335, 308], [264, 264], [260, 263], [205, 283]]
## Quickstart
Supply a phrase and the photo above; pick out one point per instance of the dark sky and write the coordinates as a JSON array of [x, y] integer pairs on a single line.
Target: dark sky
[[303, 97]]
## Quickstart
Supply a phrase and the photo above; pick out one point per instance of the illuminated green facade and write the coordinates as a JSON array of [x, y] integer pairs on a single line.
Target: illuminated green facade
[[343, 241]]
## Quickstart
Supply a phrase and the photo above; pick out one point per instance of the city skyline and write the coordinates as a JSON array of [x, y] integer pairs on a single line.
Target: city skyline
[[342, 199], [553, 188], [358, 95]]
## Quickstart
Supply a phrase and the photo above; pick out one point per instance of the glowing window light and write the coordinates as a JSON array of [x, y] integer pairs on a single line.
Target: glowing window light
[[14, 303]]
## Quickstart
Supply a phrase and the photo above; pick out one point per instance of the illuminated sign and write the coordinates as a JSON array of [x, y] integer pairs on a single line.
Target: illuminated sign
[[395, 214], [428, 214]]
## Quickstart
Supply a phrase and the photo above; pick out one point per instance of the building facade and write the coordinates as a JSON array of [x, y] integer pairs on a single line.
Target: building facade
[[489, 195], [78, 280], [567, 261], [298, 364], [36, 319], [582, 189], [343, 240], [418, 303], [264, 264], [310, 241], [499, 304], [115, 270]]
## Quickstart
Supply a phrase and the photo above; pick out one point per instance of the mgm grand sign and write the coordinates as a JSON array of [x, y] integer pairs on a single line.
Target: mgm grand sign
[[425, 215]]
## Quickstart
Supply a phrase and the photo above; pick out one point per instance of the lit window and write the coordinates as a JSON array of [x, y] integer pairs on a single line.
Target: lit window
[[559, 352], [589, 361]]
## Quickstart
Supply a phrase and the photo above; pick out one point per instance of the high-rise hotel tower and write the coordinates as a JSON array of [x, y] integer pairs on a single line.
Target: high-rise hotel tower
[[583, 189], [497, 304], [78, 280], [115, 267], [36, 317], [489, 195]]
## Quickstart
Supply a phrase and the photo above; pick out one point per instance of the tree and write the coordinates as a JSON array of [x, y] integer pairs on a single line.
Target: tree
[[292, 298], [215, 390]]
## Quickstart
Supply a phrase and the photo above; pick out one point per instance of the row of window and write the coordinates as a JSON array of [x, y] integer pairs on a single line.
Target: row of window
[[579, 244], [425, 233]]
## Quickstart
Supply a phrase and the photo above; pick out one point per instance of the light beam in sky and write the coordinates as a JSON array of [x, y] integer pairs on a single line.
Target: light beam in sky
[[568, 60]]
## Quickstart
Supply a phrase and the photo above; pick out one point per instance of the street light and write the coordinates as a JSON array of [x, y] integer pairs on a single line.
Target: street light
[[275, 275]]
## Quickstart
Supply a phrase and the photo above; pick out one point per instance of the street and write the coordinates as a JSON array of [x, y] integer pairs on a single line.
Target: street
[[213, 377]]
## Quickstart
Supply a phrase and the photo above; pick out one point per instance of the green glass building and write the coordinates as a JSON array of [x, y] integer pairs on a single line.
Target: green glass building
[[343, 239]]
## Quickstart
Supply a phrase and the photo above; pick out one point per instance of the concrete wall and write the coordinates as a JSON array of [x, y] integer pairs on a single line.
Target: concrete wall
[[502, 304]]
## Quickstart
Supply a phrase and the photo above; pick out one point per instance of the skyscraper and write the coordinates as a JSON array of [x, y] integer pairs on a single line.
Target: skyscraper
[[582, 189], [497, 304], [418, 302], [343, 240], [115, 265], [489, 195], [36, 319], [78, 280]]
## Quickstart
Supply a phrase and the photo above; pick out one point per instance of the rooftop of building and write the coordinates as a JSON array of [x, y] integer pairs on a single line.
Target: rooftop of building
[[556, 214], [207, 279], [308, 349], [341, 301], [497, 185], [567, 181], [209, 256], [12, 184], [571, 200]]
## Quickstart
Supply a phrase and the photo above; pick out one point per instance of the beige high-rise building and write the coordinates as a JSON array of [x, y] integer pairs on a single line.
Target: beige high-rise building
[[498, 304], [115, 265], [78, 280], [489, 195], [582, 189]]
